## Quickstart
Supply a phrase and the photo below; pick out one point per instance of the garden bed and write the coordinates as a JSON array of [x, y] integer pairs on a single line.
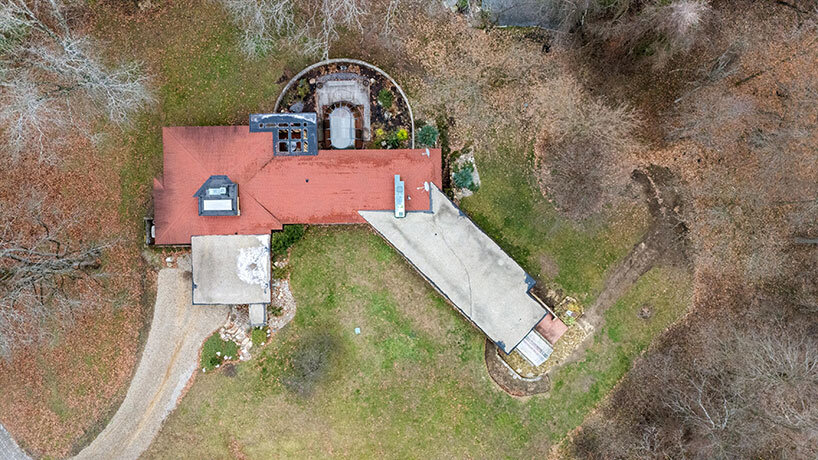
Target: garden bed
[[390, 117]]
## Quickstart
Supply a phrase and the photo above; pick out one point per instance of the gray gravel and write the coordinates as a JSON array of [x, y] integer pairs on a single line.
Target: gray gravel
[[170, 358], [9, 450]]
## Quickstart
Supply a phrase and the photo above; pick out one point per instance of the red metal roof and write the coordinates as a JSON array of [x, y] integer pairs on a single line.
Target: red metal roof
[[551, 328], [329, 188]]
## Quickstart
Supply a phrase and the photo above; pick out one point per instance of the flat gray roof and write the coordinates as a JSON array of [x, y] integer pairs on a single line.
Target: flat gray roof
[[230, 269], [466, 266]]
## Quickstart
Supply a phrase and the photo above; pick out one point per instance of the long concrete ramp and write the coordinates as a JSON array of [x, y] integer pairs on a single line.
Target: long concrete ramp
[[466, 266]]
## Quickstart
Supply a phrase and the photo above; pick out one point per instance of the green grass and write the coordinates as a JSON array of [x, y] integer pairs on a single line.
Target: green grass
[[510, 208], [258, 336], [215, 350], [412, 384]]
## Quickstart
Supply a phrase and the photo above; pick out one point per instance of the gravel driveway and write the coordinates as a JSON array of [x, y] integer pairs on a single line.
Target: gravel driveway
[[170, 358], [9, 450]]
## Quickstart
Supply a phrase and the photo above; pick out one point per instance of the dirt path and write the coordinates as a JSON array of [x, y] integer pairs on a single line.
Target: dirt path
[[9, 450], [663, 243], [642, 258], [170, 358]]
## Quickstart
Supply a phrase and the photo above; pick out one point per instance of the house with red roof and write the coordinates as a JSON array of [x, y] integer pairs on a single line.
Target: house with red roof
[[225, 188]]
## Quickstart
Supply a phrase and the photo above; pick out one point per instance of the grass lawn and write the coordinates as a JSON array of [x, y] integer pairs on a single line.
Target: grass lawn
[[510, 208], [412, 384]]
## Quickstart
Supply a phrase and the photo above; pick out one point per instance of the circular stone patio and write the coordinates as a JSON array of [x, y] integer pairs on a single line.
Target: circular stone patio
[[378, 107]]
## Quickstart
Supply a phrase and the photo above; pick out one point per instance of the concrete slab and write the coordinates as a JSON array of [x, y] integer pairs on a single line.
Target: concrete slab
[[231, 269], [466, 266], [258, 314]]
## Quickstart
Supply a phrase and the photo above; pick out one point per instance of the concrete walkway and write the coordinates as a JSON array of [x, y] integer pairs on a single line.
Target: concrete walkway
[[9, 450], [466, 266], [169, 360]]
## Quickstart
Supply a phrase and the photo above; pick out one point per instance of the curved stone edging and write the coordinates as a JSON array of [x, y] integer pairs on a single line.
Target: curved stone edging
[[353, 61], [506, 378]]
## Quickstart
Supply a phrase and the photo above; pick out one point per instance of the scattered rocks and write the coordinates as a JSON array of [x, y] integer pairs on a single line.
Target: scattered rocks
[[237, 327], [235, 330], [284, 301]]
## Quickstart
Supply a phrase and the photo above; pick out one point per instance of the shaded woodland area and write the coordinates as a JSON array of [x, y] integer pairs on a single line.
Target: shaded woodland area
[[737, 122], [54, 85]]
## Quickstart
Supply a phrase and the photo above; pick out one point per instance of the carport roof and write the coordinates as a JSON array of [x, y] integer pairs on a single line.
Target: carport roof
[[230, 269]]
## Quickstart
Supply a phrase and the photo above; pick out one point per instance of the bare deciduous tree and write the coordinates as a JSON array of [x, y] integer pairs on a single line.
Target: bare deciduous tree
[[586, 152], [733, 390], [50, 77], [262, 22], [39, 264], [388, 18], [310, 26], [658, 28], [327, 17]]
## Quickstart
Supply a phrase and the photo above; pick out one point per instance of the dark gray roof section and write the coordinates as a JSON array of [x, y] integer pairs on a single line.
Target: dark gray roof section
[[218, 196], [293, 133], [525, 13]]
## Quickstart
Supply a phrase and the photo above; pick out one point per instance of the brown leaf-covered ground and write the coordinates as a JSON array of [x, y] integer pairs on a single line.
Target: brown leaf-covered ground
[[61, 389]]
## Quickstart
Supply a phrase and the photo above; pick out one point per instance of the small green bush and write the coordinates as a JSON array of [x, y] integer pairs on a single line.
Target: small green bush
[[463, 177], [385, 98], [303, 89], [397, 139], [258, 336], [274, 310], [280, 273], [281, 241], [427, 136], [214, 344]]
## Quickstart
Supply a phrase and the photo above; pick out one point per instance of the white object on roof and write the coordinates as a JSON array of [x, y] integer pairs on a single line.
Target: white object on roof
[[534, 348], [217, 205], [400, 201]]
